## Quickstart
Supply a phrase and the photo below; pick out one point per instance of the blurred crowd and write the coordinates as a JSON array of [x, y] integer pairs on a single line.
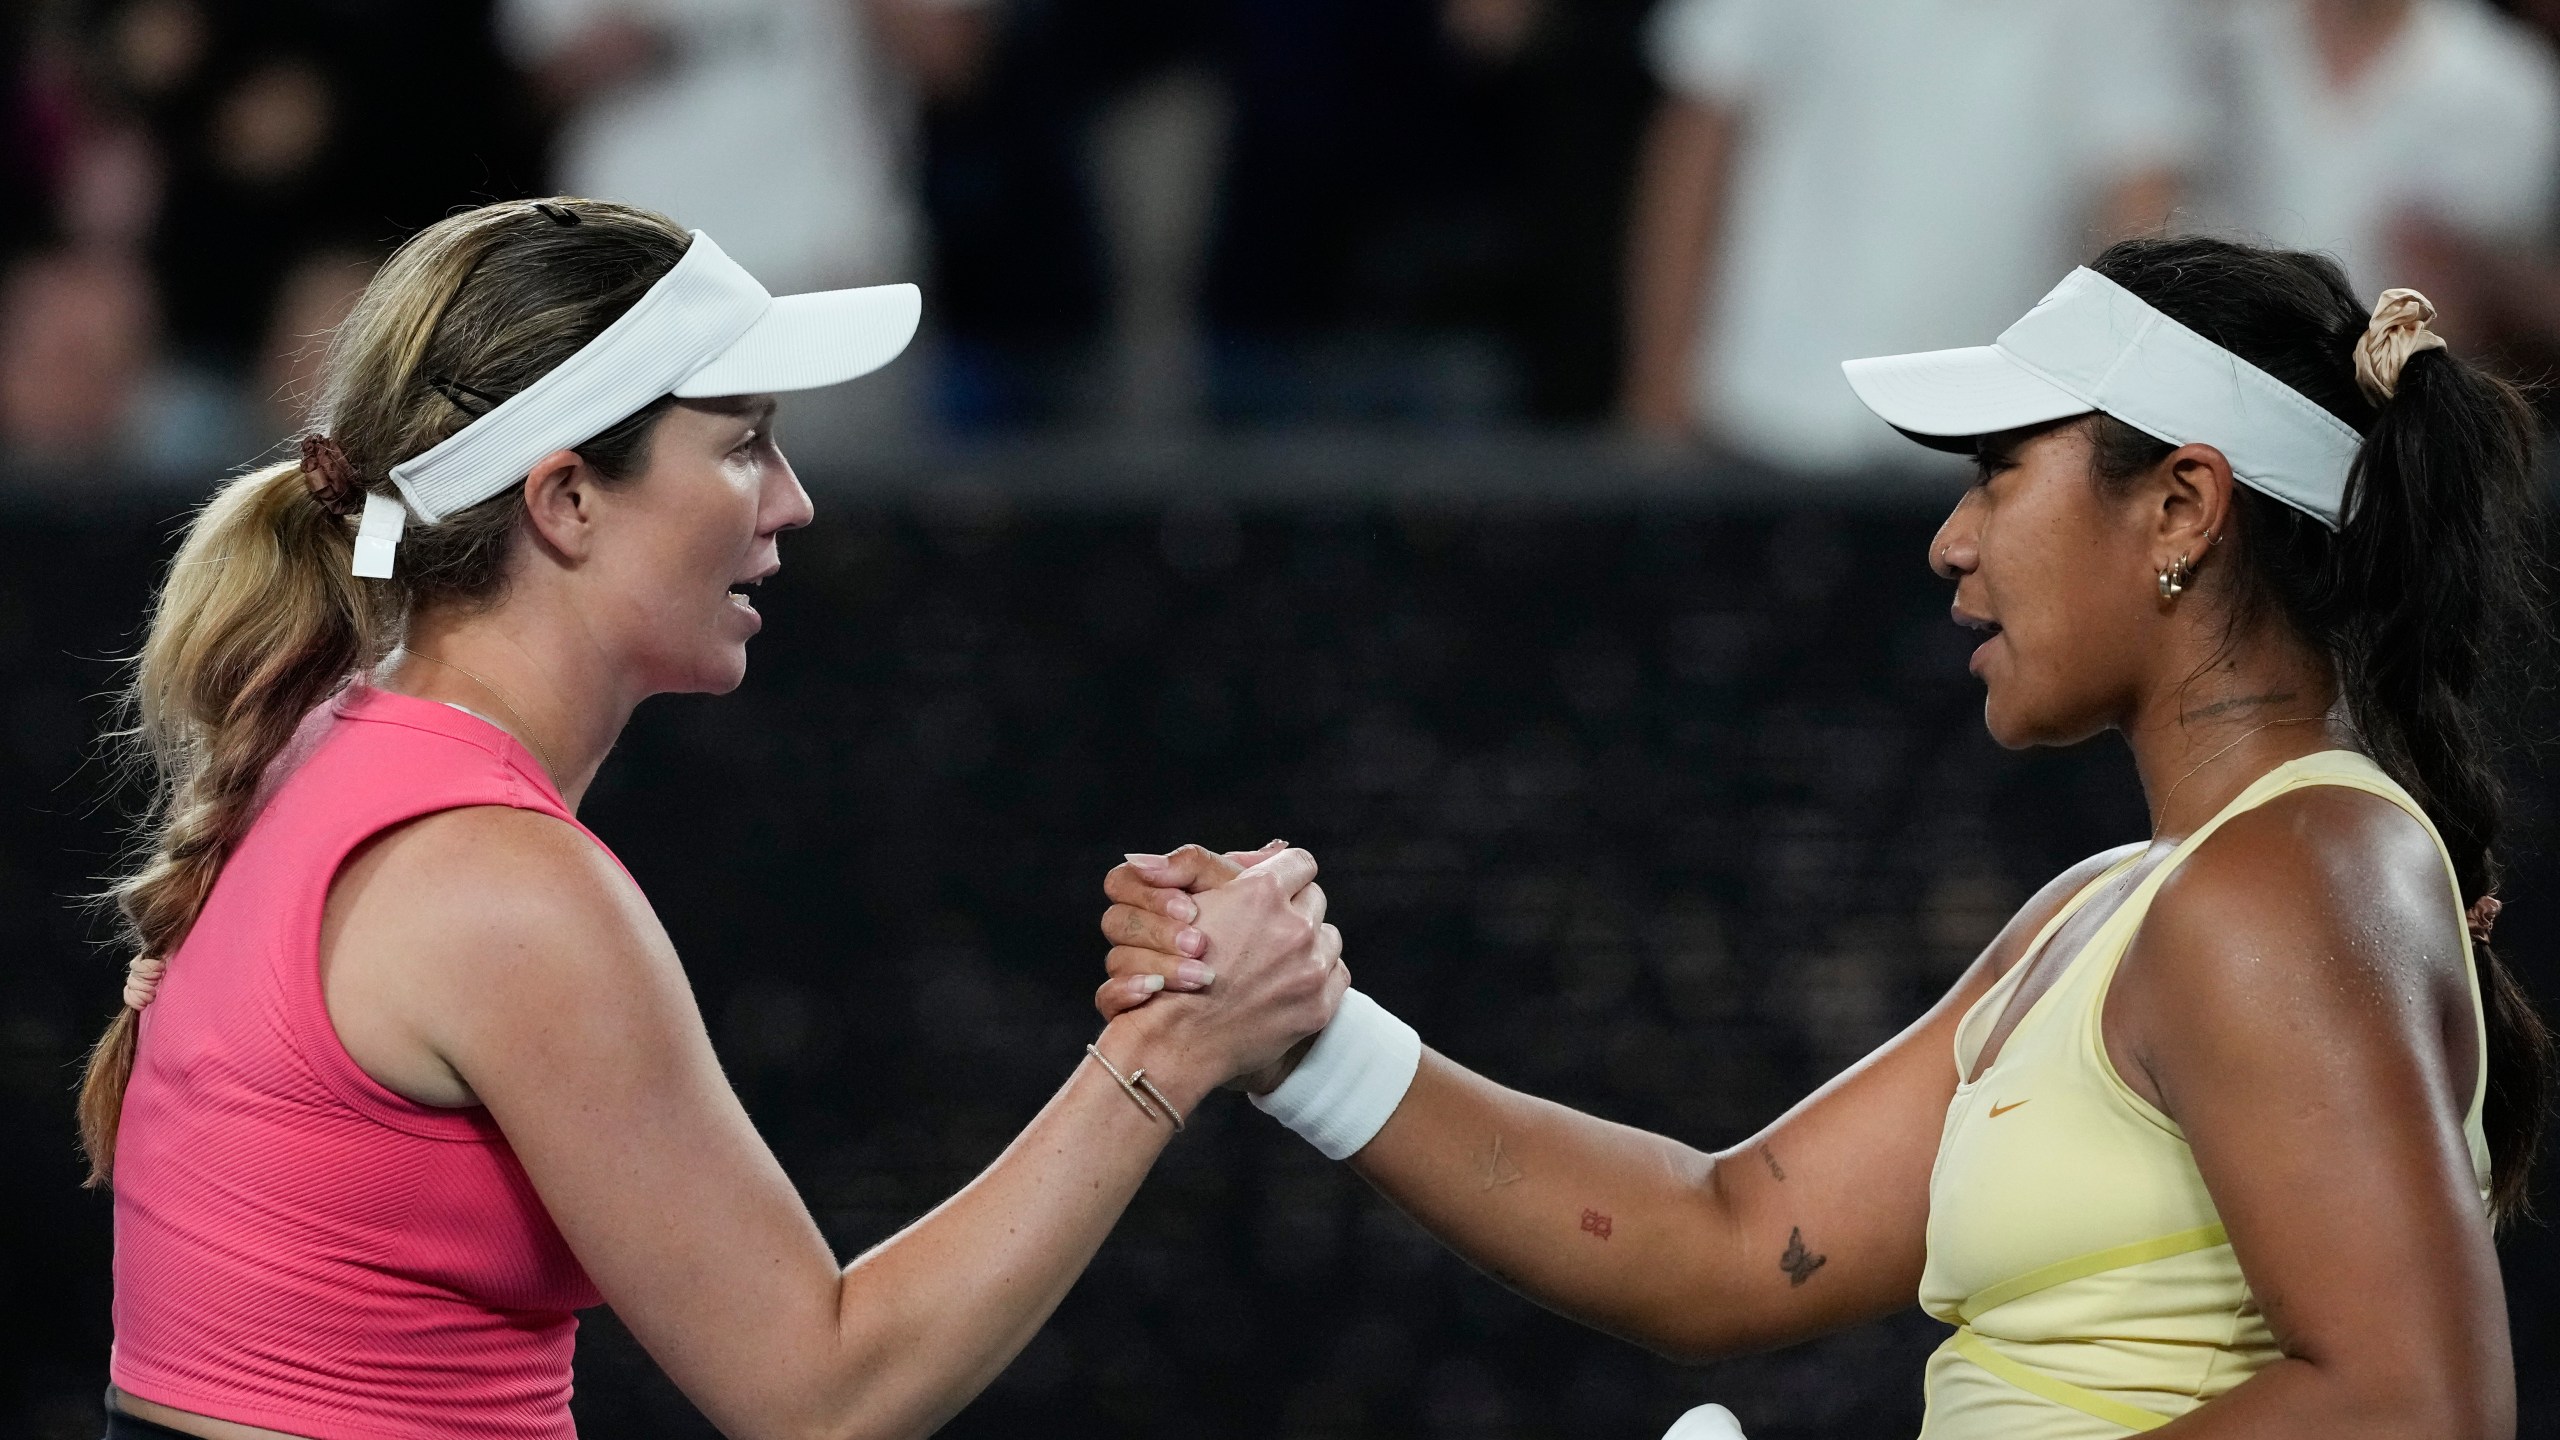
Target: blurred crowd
[[1670, 215]]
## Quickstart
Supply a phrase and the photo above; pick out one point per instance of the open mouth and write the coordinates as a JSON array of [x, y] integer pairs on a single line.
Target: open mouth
[[1983, 625]]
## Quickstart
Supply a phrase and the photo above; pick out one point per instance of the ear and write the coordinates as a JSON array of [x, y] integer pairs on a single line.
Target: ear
[[560, 501], [2193, 488]]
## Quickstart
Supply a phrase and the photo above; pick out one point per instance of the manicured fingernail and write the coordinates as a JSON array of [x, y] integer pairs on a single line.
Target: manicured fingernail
[[1150, 984], [1275, 844], [1145, 862], [1194, 975], [1181, 908], [1190, 942]]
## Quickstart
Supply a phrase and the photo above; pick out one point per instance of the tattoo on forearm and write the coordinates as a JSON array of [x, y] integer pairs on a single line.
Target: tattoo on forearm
[[2241, 702], [1495, 1169], [1595, 1223], [1769, 1158], [1798, 1262]]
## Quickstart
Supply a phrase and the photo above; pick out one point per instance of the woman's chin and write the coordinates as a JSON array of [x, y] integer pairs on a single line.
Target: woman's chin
[[718, 668], [729, 674], [2010, 728]]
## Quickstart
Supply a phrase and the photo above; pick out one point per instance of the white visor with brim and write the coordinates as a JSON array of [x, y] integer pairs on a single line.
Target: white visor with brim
[[705, 328], [2093, 345]]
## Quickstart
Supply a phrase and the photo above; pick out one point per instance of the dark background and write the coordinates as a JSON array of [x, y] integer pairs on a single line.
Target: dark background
[[1661, 805]]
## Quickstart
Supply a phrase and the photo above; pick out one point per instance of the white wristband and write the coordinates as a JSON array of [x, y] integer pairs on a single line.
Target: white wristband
[[1351, 1080]]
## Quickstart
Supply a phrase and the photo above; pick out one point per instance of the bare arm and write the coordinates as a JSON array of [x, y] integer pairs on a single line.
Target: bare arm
[[556, 999], [1817, 1222], [2296, 1002], [1681, 180]]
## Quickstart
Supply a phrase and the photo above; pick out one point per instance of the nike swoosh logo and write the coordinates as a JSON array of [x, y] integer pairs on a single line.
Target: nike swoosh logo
[[1999, 1110]]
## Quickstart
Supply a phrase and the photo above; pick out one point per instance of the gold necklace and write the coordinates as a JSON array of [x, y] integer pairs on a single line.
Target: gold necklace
[[2218, 754], [524, 732]]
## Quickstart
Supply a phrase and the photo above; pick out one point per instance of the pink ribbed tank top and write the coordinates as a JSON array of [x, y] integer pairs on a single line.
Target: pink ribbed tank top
[[298, 1247]]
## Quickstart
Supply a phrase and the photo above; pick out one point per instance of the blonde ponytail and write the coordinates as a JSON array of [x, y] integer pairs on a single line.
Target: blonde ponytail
[[258, 622]]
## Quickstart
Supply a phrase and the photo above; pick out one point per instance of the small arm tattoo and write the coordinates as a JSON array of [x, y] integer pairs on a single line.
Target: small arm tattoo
[[1769, 1158], [1595, 1223], [1496, 1169], [1798, 1262]]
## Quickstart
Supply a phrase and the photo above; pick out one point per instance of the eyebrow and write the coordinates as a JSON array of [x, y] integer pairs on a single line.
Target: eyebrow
[[758, 408]]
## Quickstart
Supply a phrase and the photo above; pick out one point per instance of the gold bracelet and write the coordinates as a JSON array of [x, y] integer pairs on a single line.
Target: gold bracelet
[[1133, 1083], [1140, 1078]]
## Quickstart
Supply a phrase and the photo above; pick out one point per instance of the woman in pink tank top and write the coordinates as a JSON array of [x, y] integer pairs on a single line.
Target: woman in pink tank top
[[408, 1072]]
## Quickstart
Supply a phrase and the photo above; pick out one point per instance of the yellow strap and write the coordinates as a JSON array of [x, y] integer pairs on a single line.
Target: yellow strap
[[2061, 1392], [2203, 1237]]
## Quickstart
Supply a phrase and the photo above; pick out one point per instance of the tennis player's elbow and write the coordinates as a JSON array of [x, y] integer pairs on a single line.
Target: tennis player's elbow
[[1693, 1317]]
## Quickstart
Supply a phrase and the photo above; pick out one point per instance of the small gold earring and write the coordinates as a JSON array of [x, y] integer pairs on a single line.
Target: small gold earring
[[2174, 577]]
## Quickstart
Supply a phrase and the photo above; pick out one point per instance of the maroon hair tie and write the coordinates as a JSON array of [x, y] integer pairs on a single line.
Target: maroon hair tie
[[331, 478], [2482, 917]]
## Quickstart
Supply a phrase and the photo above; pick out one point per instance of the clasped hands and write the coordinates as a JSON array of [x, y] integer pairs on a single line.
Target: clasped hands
[[1242, 937]]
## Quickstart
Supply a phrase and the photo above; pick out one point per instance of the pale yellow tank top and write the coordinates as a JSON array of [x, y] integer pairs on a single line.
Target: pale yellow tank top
[[2071, 1240]]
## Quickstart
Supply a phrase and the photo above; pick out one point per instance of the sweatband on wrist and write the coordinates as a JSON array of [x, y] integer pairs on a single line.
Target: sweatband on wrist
[[1351, 1080]]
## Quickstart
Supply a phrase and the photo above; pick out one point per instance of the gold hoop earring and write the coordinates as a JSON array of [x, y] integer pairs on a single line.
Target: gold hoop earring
[[2175, 577]]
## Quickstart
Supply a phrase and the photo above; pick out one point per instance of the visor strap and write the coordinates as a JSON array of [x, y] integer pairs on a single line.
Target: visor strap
[[378, 535]]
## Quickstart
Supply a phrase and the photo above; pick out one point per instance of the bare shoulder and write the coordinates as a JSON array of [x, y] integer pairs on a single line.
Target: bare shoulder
[[491, 871], [2326, 875], [469, 923], [2313, 932]]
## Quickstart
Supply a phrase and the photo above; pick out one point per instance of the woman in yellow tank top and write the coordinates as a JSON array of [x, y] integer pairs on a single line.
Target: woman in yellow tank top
[[2210, 1139]]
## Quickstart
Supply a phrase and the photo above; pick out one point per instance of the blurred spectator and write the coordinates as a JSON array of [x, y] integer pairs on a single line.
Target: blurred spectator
[[1363, 239], [317, 293], [2381, 130], [182, 162], [785, 129], [30, 141], [76, 339], [1574, 78], [1286, 211], [1079, 154], [289, 126], [781, 127], [1834, 178]]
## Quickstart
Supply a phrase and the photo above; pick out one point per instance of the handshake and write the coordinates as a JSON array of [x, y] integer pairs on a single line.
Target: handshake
[[1242, 940], [1232, 955]]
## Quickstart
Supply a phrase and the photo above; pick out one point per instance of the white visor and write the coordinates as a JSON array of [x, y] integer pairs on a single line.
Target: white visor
[[705, 328], [2094, 345]]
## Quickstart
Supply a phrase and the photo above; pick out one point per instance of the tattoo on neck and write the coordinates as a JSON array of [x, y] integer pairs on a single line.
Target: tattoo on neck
[[2238, 702], [1496, 1169], [1597, 1223], [1798, 1262], [1769, 1158]]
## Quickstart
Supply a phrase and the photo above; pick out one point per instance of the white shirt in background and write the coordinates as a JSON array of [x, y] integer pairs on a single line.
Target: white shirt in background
[[2458, 119], [773, 127], [1911, 175]]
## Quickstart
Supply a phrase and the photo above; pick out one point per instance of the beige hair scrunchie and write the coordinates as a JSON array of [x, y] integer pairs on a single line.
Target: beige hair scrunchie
[[2399, 330], [142, 980]]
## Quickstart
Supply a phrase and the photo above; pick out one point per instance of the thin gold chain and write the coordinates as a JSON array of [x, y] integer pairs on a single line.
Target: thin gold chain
[[524, 730], [2218, 754]]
